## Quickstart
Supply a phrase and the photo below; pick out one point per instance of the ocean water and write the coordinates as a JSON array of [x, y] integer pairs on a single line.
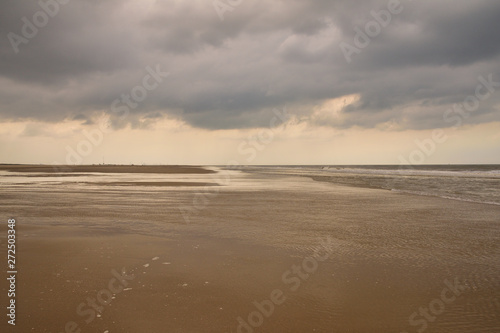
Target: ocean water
[[473, 183]]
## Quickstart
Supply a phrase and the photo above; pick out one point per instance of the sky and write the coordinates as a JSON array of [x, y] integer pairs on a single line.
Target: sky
[[249, 81]]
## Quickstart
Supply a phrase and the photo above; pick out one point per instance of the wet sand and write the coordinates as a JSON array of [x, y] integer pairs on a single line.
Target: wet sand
[[385, 256]]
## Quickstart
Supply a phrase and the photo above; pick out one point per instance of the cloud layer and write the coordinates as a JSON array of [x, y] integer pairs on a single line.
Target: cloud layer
[[231, 73]]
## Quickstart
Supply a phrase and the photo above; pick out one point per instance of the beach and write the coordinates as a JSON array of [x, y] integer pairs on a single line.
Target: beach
[[206, 249]]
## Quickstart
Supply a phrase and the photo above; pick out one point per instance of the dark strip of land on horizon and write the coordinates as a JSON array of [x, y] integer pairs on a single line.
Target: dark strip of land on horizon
[[108, 168]]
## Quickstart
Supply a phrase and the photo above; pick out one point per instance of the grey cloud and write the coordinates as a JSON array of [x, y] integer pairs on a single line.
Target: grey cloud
[[448, 33], [264, 55], [77, 41]]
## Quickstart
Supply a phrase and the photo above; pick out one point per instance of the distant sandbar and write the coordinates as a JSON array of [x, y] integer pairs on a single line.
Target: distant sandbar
[[154, 184], [172, 169]]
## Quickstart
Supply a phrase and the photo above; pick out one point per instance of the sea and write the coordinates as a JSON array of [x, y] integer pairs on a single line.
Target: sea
[[478, 183]]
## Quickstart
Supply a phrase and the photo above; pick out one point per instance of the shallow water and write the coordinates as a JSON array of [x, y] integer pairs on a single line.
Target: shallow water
[[473, 183]]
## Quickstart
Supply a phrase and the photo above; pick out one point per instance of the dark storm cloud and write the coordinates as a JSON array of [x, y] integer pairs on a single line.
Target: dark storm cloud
[[78, 40], [264, 54], [448, 33]]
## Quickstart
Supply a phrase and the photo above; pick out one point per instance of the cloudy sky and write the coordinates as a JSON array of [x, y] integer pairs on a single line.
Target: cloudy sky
[[254, 81]]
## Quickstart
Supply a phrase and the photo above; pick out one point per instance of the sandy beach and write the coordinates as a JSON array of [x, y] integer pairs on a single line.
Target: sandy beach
[[264, 253]]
